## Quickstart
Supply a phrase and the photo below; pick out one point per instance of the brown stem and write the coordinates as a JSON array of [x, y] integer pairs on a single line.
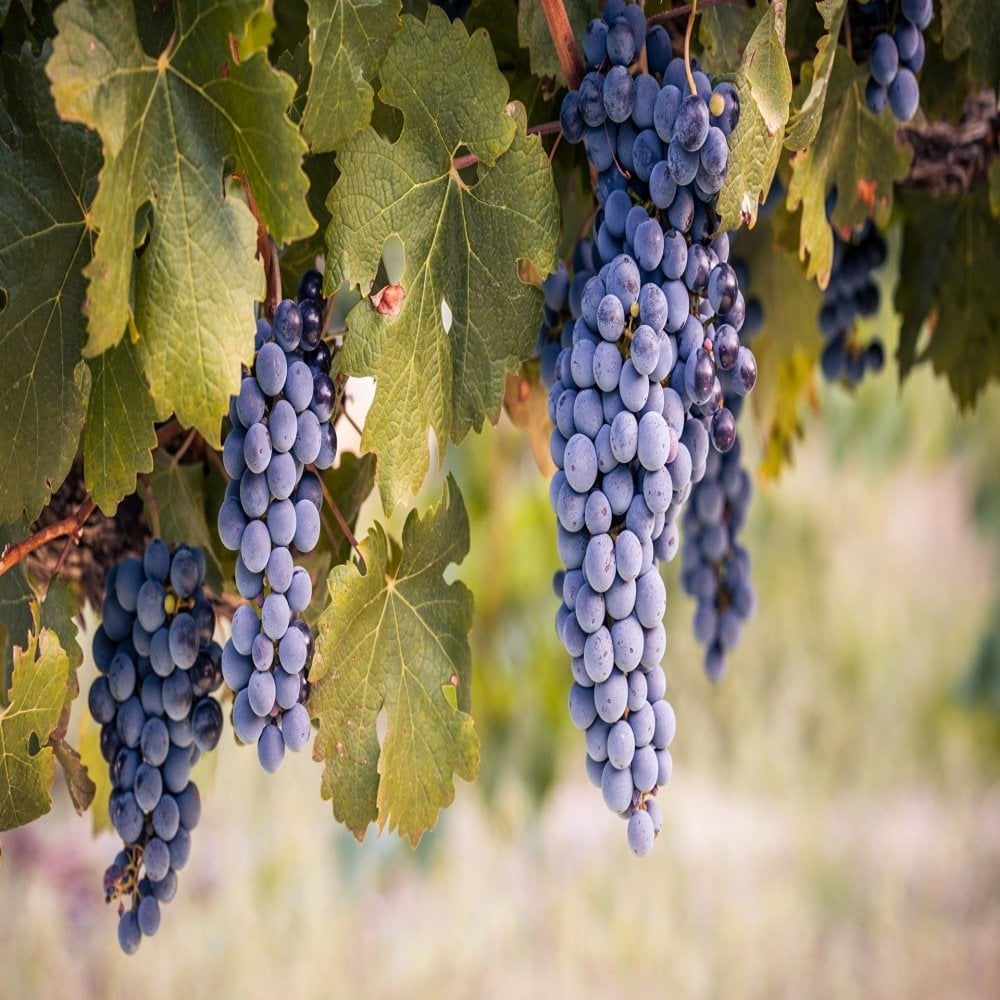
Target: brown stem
[[165, 434], [564, 42], [179, 454], [13, 554], [546, 128], [348, 534], [670, 15], [350, 419], [266, 252]]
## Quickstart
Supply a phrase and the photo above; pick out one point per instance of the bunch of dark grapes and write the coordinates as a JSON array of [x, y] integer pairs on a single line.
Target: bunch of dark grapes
[[623, 471], [897, 56], [563, 293], [851, 294], [158, 668], [639, 398], [715, 568], [281, 425]]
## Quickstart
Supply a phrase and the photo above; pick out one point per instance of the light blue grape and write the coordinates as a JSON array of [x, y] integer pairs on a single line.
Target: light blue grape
[[270, 367], [582, 364], [627, 639], [279, 569], [616, 788], [299, 385], [306, 526], [633, 387], [643, 724], [295, 728], [271, 748], [247, 724], [621, 744], [281, 476], [260, 691], [588, 413], [597, 512], [637, 690], [641, 833], [598, 655], [624, 435], [589, 609], [596, 739], [276, 615], [581, 706], [653, 441], [664, 723], [611, 696], [580, 463]]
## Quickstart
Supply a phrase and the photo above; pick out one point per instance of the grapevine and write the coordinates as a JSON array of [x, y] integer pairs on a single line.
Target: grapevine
[[661, 238]]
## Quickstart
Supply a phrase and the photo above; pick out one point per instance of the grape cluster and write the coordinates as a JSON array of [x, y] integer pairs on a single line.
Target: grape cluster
[[625, 460], [563, 294], [715, 568], [850, 294], [896, 58], [651, 352], [281, 424], [158, 668]]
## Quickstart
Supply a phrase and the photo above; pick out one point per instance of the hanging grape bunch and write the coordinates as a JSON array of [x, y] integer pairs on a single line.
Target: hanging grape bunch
[[281, 425], [638, 398], [896, 56], [158, 668]]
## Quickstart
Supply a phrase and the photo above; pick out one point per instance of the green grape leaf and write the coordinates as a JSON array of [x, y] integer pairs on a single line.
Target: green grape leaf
[[764, 83], [348, 40], [804, 122], [856, 153], [533, 32], [788, 346], [179, 494], [57, 612], [350, 485], [463, 240], [974, 25], [393, 644], [994, 182], [45, 168], [119, 438], [765, 68], [947, 243], [15, 605], [724, 32], [189, 112], [27, 765]]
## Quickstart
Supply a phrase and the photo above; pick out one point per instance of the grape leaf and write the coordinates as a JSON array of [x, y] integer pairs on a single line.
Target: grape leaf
[[724, 32], [45, 167], [973, 25], [994, 181], [27, 765], [788, 346], [462, 241], [947, 244], [804, 122], [348, 40], [856, 153], [119, 438], [394, 643], [189, 112], [179, 494], [526, 401], [533, 32], [15, 606], [58, 612], [764, 84]]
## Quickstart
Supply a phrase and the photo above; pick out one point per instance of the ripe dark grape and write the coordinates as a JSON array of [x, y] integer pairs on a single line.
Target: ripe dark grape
[[894, 61]]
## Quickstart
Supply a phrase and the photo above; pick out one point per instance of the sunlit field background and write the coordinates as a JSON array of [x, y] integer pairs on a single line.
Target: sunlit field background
[[832, 827]]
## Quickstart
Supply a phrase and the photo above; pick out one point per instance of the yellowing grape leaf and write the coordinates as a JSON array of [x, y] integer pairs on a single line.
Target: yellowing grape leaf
[[119, 437], [974, 25], [856, 153], [764, 82], [169, 125], [27, 765], [57, 612], [805, 119], [462, 239], [788, 346], [724, 32], [15, 605], [45, 169], [391, 677], [348, 40], [947, 243]]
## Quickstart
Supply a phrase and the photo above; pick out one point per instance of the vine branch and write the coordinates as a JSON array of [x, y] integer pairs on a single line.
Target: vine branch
[[266, 252], [348, 534], [678, 12], [687, 46], [546, 128], [564, 42], [13, 554]]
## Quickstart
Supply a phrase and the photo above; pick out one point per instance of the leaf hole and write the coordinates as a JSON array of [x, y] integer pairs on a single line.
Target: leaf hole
[[34, 746], [465, 163], [446, 316], [393, 263], [3, 299]]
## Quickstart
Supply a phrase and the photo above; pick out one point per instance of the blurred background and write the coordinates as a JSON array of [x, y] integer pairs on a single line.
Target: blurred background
[[832, 827]]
